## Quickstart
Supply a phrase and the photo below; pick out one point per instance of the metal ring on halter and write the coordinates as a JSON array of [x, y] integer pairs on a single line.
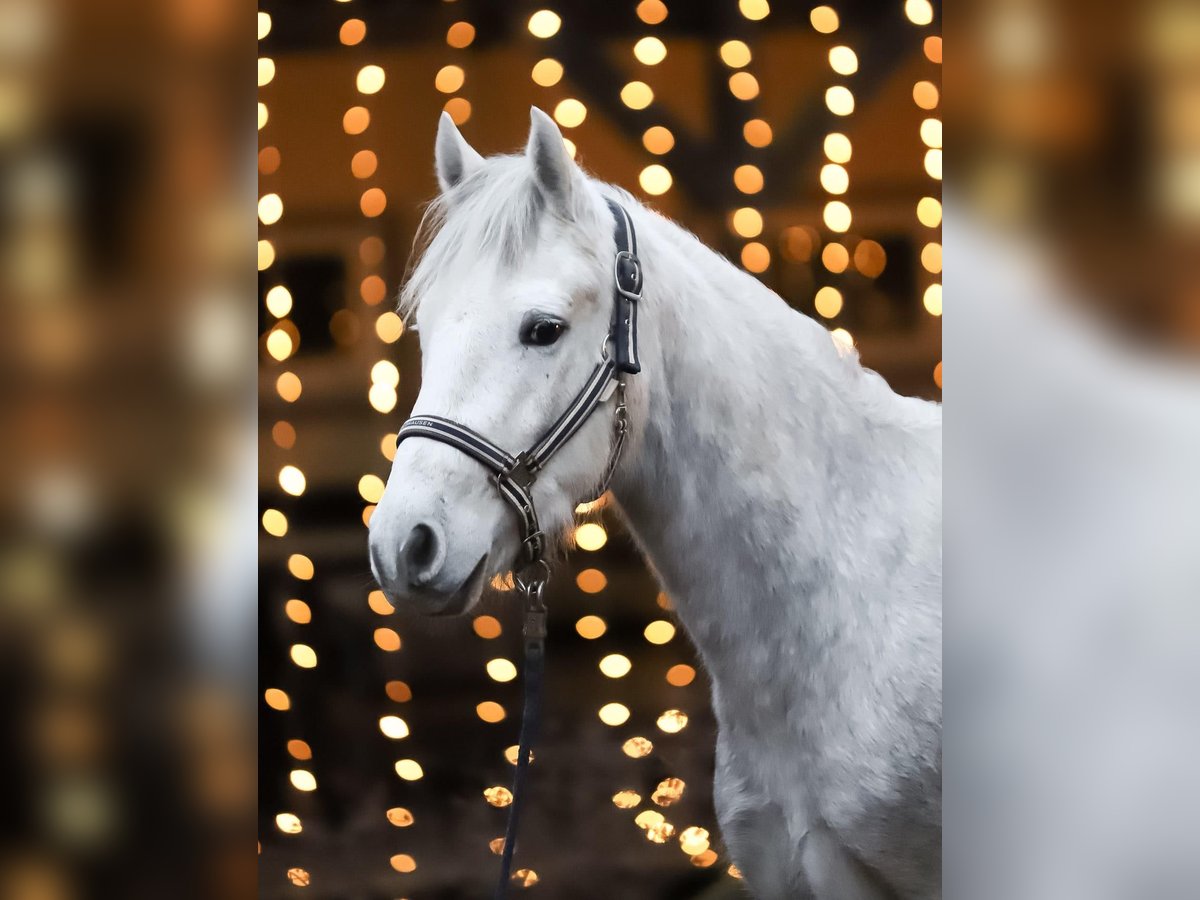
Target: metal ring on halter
[[533, 584]]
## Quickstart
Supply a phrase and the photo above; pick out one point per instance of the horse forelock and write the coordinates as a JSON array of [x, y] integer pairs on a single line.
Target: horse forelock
[[492, 217]]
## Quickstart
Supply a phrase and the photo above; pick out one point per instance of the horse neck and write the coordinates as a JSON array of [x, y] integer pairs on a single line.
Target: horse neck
[[740, 412]]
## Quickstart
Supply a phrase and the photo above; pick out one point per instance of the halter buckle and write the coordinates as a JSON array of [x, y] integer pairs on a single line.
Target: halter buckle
[[519, 473], [627, 275]]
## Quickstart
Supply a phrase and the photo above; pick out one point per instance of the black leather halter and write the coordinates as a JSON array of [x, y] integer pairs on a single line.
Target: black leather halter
[[515, 475]]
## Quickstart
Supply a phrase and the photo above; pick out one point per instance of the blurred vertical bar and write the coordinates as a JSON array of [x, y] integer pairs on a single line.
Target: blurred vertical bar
[[127, 468]]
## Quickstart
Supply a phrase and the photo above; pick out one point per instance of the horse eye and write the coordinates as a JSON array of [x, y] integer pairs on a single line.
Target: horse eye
[[541, 332]]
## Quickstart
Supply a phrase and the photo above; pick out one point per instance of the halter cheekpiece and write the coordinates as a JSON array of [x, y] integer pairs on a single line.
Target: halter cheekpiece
[[514, 477]]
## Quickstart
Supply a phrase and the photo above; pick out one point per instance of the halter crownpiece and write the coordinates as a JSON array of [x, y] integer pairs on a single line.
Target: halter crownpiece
[[515, 475]]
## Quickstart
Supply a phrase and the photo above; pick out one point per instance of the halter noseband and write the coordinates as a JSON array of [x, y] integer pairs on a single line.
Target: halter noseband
[[514, 477]]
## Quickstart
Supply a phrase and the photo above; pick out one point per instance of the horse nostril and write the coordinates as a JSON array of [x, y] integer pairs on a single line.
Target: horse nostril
[[423, 554]]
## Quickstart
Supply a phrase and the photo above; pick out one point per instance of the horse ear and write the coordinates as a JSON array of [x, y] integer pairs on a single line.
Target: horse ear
[[454, 158], [553, 169]]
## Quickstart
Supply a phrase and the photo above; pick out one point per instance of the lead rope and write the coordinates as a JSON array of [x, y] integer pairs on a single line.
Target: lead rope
[[535, 667]]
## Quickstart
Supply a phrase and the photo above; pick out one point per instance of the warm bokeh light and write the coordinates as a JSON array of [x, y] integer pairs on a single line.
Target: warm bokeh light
[[544, 23], [370, 79], [933, 164], [756, 257], [291, 479], [929, 212], [278, 301], [449, 79], [570, 113], [746, 222], [834, 178], [289, 387], [931, 132], [590, 536], [650, 51], [828, 301], [680, 675], [843, 60], [842, 339], [658, 139], [460, 35], [487, 627], [743, 85], [387, 640], [870, 258], [409, 769], [824, 19], [393, 727], [660, 631], [547, 72], [501, 669], [283, 434], [266, 255], [655, 179], [370, 488], [937, 375], [590, 627], [403, 863], [626, 799], [266, 71], [933, 48], [757, 133], [835, 257], [385, 372], [389, 326], [363, 164], [838, 148], [382, 398], [400, 817], [652, 12], [614, 714], [379, 604], [931, 257], [356, 120], [459, 109], [264, 115], [498, 796], [269, 160], [925, 94], [303, 656], [299, 749], [303, 780], [372, 290], [754, 10], [591, 581], [919, 12], [933, 300], [270, 209], [637, 748], [298, 611], [264, 25], [840, 100], [301, 567], [277, 699], [352, 32], [490, 711], [615, 665], [637, 95], [837, 216], [373, 202], [672, 721], [748, 179], [280, 344], [735, 54]]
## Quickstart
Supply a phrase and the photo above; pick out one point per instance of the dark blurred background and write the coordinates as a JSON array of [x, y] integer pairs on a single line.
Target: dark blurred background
[[801, 140]]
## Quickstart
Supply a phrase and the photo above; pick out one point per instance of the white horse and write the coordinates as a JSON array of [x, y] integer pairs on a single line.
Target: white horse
[[788, 500]]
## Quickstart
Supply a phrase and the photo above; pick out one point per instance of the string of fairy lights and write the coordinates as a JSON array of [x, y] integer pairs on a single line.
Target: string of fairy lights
[[280, 343], [384, 377], [746, 221], [927, 98]]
